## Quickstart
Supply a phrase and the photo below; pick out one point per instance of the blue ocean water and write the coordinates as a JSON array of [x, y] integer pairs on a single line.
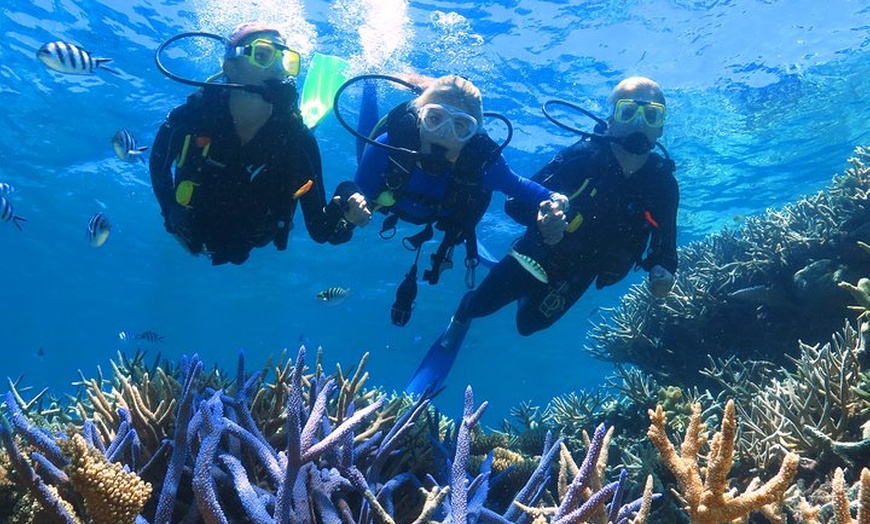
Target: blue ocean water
[[767, 98]]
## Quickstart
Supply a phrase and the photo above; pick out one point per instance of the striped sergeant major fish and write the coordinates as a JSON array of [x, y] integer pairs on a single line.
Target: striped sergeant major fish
[[5, 188], [333, 295], [7, 213], [99, 228], [71, 59], [126, 147]]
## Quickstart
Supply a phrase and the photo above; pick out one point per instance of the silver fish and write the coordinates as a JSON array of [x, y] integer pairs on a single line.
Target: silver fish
[[333, 295], [5, 188], [99, 228], [71, 59], [7, 213], [126, 147]]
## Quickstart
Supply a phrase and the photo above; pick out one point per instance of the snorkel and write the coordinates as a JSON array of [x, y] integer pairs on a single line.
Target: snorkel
[[635, 143], [433, 161]]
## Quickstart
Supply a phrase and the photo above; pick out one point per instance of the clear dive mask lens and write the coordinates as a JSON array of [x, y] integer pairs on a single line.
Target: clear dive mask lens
[[264, 54], [436, 117], [627, 110]]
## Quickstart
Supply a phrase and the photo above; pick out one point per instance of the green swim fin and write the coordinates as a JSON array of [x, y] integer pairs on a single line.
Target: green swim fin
[[325, 76]]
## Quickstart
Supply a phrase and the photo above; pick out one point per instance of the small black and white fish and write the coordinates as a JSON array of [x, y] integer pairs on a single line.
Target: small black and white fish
[[126, 147], [333, 295], [150, 336], [99, 228], [5, 188], [71, 59], [7, 213]]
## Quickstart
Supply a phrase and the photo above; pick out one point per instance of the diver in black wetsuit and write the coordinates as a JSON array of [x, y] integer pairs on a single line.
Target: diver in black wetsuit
[[243, 158], [623, 202]]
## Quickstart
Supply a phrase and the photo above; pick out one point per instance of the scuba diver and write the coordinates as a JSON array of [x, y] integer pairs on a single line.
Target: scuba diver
[[623, 202], [243, 158], [430, 162]]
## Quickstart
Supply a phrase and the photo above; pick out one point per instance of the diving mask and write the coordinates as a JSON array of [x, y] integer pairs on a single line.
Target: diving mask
[[628, 110], [435, 118], [265, 53]]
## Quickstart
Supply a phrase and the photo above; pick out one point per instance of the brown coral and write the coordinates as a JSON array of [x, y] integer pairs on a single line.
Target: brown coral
[[111, 495]]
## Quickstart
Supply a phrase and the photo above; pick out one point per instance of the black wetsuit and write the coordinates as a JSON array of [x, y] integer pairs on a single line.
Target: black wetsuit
[[242, 195], [613, 220]]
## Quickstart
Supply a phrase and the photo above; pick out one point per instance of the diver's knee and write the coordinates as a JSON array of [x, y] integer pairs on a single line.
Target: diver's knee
[[526, 330]]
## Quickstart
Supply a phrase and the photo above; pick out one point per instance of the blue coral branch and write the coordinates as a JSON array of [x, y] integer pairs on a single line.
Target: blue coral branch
[[597, 500], [179, 455], [203, 481], [37, 437], [534, 487], [35, 485], [575, 489], [254, 507], [613, 515]]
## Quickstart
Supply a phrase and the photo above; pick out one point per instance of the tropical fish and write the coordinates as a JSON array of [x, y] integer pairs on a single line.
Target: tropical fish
[[99, 228], [7, 213], [150, 336], [5, 188], [71, 59], [126, 147], [532, 266], [333, 295]]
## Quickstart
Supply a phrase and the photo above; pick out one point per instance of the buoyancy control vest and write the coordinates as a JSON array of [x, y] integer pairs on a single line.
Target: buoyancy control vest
[[208, 162], [459, 212]]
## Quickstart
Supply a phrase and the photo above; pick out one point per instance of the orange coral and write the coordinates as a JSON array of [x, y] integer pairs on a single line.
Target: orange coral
[[709, 501]]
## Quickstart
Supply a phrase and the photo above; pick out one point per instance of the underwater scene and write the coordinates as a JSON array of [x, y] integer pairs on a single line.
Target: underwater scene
[[686, 343]]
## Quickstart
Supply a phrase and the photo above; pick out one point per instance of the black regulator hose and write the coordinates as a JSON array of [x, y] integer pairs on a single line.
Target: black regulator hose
[[599, 130], [197, 83], [416, 90]]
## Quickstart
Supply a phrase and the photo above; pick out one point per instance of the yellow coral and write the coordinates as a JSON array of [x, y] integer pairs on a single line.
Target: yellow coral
[[111, 495]]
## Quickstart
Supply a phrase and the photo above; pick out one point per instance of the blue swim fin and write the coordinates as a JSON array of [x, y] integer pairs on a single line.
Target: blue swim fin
[[485, 256], [324, 77], [433, 370]]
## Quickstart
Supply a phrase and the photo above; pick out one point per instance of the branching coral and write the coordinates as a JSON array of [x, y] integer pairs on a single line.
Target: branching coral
[[110, 494], [705, 490]]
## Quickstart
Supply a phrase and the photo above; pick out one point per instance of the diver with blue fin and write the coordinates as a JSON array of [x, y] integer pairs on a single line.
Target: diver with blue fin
[[230, 165], [430, 162], [621, 215]]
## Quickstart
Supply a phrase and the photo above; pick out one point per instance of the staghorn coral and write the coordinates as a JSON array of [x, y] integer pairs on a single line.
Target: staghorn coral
[[110, 494], [776, 277], [709, 500], [842, 513]]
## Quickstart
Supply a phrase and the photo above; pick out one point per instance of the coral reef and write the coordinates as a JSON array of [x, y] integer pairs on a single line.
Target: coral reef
[[345, 456]]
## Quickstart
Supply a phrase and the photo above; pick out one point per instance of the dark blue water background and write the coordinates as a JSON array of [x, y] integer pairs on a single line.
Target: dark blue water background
[[766, 99]]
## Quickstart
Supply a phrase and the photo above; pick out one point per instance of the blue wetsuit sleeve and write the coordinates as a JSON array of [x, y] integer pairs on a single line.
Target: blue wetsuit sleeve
[[372, 167], [500, 177]]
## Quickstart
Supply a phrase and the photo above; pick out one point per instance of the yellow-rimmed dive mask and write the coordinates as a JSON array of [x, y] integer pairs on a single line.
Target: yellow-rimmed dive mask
[[628, 110], [264, 53], [436, 117]]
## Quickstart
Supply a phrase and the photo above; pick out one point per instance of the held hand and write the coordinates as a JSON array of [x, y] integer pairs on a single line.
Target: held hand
[[660, 281], [356, 210], [551, 218]]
